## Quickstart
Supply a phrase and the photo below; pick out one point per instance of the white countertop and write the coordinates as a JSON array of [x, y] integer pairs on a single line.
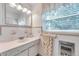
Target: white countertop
[[5, 46]]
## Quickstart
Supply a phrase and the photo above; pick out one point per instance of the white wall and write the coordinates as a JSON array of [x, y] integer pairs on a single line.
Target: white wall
[[36, 19], [72, 39], [36, 15]]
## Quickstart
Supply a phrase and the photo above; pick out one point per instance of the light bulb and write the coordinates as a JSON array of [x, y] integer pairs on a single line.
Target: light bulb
[[24, 9], [19, 7], [29, 12], [12, 4]]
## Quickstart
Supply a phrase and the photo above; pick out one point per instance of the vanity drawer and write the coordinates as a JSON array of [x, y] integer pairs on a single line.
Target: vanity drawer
[[23, 53], [11, 52], [16, 50]]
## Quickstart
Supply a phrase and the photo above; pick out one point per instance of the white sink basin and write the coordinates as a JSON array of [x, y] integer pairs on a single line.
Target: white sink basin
[[24, 39]]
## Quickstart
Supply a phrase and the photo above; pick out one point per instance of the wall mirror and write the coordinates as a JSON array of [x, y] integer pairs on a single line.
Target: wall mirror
[[18, 14]]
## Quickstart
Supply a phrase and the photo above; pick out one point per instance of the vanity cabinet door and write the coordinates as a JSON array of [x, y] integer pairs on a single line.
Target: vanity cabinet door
[[3, 54], [12, 52], [33, 51], [23, 53]]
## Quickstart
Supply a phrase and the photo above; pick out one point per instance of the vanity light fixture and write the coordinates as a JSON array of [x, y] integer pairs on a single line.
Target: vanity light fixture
[[29, 12], [12, 4], [19, 7], [24, 10]]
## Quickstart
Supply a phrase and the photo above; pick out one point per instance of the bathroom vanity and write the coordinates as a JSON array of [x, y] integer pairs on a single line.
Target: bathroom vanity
[[25, 47]]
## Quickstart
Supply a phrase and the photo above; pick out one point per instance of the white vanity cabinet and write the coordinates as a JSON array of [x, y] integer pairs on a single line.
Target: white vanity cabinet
[[28, 49]]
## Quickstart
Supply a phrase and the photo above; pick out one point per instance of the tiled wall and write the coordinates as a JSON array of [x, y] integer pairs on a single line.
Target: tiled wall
[[12, 33], [64, 17], [66, 23]]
